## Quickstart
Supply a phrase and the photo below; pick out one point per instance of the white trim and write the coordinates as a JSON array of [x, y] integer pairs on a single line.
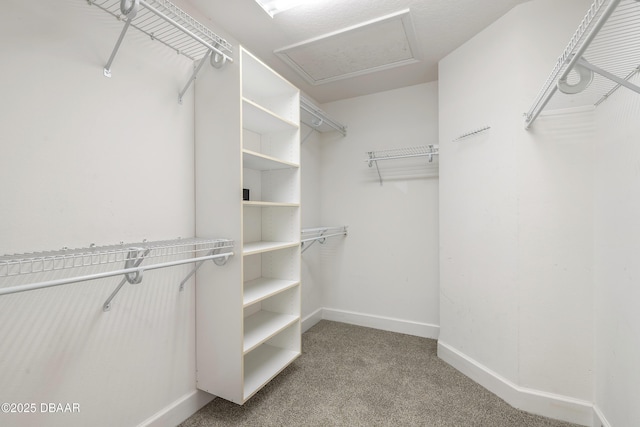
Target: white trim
[[535, 401], [599, 420], [408, 327], [179, 410], [309, 321]]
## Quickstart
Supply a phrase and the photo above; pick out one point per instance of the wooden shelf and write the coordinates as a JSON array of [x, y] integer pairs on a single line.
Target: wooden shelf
[[264, 287], [264, 363], [260, 120], [261, 162], [252, 248], [263, 325]]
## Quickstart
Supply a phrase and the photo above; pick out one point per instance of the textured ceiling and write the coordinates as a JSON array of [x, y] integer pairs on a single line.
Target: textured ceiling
[[440, 27]]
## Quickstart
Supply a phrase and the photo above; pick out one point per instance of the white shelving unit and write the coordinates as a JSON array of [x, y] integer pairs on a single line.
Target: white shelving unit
[[248, 137]]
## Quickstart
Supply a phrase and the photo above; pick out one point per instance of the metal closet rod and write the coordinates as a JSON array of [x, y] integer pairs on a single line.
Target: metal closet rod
[[320, 115], [321, 234]]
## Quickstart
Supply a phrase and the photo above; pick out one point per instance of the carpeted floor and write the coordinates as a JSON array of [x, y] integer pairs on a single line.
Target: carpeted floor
[[354, 376]]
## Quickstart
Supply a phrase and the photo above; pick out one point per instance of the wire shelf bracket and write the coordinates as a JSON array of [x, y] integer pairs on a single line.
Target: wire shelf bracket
[[320, 235], [472, 133], [373, 157], [218, 250], [163, 21], [604, 47]]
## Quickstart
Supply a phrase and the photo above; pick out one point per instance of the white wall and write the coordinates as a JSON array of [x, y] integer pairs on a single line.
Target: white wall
[[516, 218], [86, 159], [617, 248], [385, 273]]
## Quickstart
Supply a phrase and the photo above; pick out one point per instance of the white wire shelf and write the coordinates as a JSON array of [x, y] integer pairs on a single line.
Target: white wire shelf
[[131, 255], [602, 56], [317, 119], [159, 29], [166, 23], [38, 262], [373, 157], [311, 235]]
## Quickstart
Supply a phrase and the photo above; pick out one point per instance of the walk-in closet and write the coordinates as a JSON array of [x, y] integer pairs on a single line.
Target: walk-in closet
[[320, 213]]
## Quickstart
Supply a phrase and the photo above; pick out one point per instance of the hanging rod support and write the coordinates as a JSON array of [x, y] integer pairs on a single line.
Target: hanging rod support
[[218, 261], [612, 77], [196, 71], [321, 237], [373, 160], [132, 262], [107, 68], [616, 87]]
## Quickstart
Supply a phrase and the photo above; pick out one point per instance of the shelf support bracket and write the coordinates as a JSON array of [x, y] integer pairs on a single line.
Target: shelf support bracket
[[217, 261], [372, 161], [196, 71], [129, 14], [133, 261], [318, 239], [608, 75]]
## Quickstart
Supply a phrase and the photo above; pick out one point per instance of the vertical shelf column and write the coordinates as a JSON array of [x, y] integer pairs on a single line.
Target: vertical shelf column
[[248, 137]]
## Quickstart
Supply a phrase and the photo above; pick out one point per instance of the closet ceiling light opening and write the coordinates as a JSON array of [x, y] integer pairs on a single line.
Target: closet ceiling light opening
[[273, 7], [375, 45]]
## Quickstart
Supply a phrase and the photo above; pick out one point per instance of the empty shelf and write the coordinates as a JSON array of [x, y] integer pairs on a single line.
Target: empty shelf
[[260, 120], [259, 247], [264, 287], [261, 162], [263, 325], [264, 363]]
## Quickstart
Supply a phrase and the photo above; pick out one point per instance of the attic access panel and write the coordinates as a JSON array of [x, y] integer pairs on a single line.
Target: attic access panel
[[375, 45]]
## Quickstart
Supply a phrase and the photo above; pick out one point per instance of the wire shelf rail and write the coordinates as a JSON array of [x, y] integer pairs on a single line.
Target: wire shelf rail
[[602, 56], [472, 133], [309, 236], [131, 255], [318, 119], [166, 23], [428, 151]]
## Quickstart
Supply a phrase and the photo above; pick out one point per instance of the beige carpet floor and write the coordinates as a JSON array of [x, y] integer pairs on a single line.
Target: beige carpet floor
[[354, 376]]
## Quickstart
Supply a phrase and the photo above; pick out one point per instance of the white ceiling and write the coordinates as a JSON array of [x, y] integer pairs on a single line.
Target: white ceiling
[[440, 27]]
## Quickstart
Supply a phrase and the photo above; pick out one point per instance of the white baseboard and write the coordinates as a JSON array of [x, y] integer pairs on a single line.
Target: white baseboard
[[537, 402], [179, 410], [408, 327], [312, 319], [599, 420]]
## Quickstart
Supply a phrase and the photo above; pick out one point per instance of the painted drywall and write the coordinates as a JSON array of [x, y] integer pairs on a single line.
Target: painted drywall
[[516, 215], [617, 248], [87, 159], [386, 271]]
